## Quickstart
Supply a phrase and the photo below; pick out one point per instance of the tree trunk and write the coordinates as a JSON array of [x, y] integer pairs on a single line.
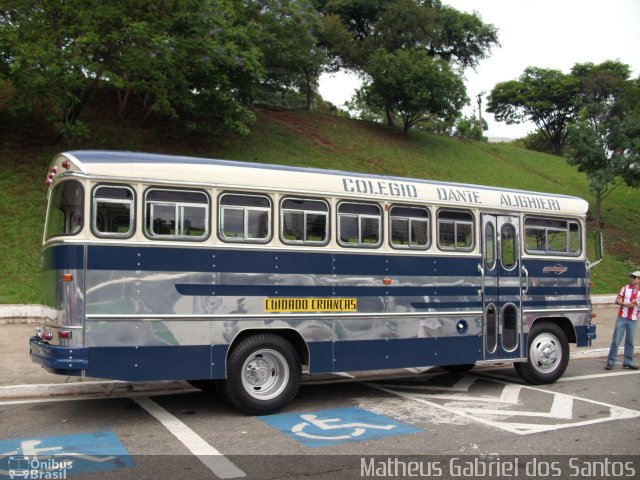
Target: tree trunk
[[597, 209], [122, 101], [309, 92], [389, 112], [75, 110]]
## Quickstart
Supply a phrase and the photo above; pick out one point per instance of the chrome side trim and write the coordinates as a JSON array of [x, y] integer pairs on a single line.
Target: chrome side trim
[[155, 317], [558, 310]]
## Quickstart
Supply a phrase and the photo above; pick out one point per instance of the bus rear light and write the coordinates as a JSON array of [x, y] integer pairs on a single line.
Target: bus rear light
[[64, 334], [594, 315], [46, 336], [53, 170], [67, 277], [66, 164]]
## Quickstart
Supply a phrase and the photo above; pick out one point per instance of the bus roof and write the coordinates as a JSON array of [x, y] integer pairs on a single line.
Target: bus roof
[[145, 167]]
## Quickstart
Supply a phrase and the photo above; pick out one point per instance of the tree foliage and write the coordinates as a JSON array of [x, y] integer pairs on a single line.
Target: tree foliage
[[548, 98], [415, 86], [289, 33], [356, 29], [379, 38], [604, 139], [207, 63], [471, 128], [202, 62]]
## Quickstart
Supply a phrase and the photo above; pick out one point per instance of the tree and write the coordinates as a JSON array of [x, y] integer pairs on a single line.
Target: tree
[[420, 88], [357, 28], [471, 128], [546, 97], [604, 139], [357, 31], [193, 60], [289, 32]]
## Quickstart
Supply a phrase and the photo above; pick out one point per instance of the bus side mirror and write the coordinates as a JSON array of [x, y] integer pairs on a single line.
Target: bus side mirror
[[599, 250]]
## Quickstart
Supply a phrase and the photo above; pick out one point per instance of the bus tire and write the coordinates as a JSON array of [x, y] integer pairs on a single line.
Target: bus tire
[[462, 368], [263, 374], [547, 354]]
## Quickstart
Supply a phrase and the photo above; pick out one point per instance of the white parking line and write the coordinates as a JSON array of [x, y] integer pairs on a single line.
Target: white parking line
[[212, 458], [562, 406], [507, 378], [598, 375]]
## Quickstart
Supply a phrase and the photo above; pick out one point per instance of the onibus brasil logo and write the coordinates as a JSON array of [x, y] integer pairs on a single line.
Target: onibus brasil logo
[[22, 466]]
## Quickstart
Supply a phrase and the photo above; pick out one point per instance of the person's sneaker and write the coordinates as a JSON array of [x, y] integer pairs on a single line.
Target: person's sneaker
[[608, 367], [633, 366]]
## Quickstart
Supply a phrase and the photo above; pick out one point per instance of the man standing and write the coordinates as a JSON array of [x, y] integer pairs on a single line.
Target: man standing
[[629, 301]]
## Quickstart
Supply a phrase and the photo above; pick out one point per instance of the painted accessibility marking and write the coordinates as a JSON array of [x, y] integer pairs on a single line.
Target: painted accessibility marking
[[502, 407], [333, 427], [51, 457], [331, 424]]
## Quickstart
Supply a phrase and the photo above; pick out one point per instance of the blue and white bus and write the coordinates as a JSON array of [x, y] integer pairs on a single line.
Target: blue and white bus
[[247, 276]]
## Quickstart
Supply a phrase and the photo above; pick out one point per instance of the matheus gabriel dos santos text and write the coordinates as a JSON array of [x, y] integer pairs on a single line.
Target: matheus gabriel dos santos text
[[496, 467]]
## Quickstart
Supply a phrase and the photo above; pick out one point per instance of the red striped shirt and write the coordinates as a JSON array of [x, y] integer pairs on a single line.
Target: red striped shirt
[[628, 294]]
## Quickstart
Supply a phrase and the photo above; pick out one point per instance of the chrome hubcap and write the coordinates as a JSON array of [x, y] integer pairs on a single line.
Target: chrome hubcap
[[545, 353], [265, 374]]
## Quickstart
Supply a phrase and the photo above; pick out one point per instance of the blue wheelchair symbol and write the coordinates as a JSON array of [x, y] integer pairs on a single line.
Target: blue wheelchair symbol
[[332, 427]]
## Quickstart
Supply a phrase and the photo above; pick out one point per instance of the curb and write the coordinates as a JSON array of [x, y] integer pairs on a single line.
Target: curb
[[603, 299], [106, 388], [26, 314]]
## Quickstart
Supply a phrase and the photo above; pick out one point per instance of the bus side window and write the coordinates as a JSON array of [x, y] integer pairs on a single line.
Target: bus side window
[[304, 221], [455, 230], [176, 214], [409, 227], [359, 225], [244, 218], [113, 211], [552, 236]]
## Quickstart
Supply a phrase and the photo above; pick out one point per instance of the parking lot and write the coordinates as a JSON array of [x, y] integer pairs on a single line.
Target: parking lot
[[332, 425]]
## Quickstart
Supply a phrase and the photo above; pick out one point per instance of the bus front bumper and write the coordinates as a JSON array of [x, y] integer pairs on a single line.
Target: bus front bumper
[[61, 360]]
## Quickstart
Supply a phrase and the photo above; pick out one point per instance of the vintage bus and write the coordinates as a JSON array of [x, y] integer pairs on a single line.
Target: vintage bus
[[247, 276]]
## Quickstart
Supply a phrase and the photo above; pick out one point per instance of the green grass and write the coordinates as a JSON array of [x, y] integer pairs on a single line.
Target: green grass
[[313, 140]]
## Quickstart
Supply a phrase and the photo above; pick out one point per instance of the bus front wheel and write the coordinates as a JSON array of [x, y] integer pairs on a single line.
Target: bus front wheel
[[547, 354], [263, 374]]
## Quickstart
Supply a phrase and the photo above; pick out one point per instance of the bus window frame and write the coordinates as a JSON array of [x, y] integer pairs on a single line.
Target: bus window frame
[[553, 253], [180, 238], [82, 209], [360, 244], [427, 220], [244, 239], [305, 242], [472, 222], [132, 211]]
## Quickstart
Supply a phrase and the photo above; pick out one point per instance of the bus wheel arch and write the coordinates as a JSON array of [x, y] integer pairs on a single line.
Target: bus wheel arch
[[263, 372], [289, 334], [547, 352]]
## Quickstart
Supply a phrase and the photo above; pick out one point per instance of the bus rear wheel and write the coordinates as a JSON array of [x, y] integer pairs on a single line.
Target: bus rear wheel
[[263, 374], [547, 354]]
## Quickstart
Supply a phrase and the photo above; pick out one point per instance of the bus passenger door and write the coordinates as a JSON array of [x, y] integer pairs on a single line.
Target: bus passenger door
[[501, 287]]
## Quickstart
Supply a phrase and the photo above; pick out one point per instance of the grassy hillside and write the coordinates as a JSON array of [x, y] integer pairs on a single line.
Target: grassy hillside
[[298, 138]]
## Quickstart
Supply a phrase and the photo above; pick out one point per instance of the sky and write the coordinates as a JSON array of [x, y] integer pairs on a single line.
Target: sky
[[542, 33]]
